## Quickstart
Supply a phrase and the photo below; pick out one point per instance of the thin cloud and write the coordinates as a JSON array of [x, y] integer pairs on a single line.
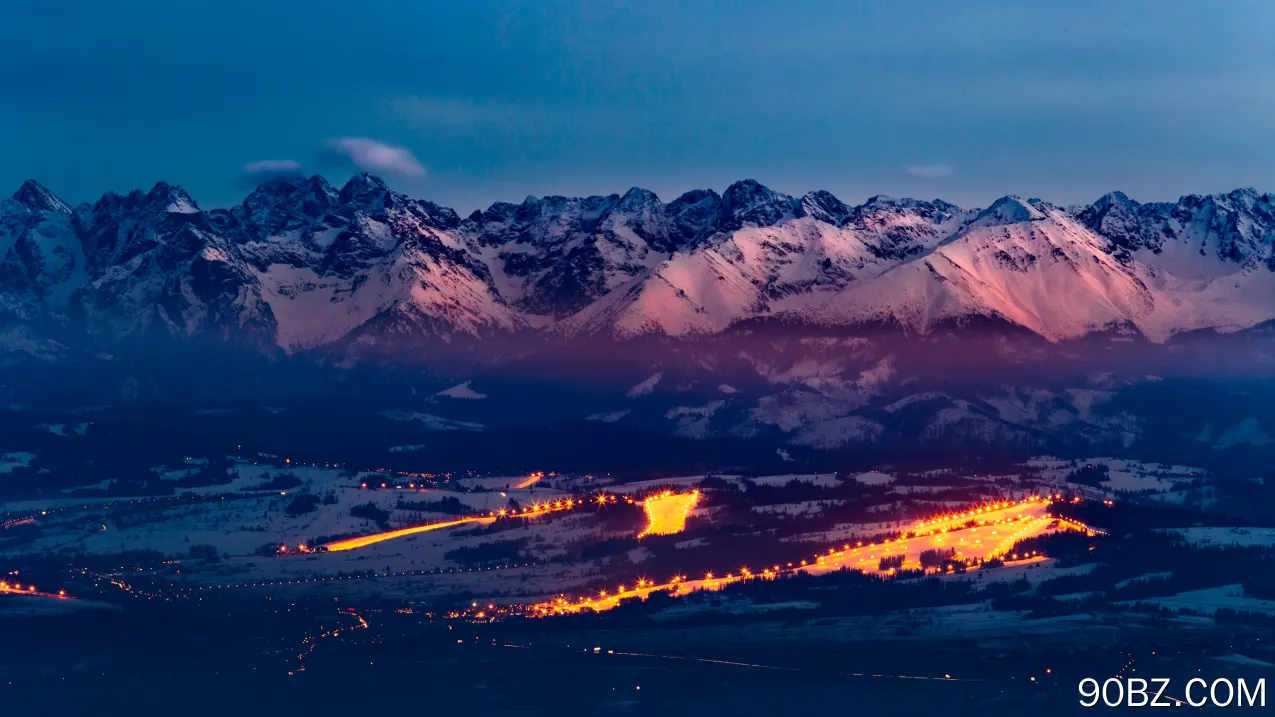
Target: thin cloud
[[370, 155], [272, 166], [256, 173], [929, 171]]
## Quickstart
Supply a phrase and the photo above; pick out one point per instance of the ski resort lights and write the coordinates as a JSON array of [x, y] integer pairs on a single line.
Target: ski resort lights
[[666, 512], [1003, 524], [532, 511]]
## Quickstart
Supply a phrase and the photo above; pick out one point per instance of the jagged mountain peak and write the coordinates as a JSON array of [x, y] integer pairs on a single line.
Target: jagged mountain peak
[[751, 202], [1115, 216], [1114, 199], [173, 198], [693, 213], [695, 196], [282, 204], [642, 212], [883, 204], [1010, 209], [313, 263], [161, 199], [904, 227], [1243, 196], [825, 207], [1236, 226], [638, 199], [885, 200], [284, 186], [306, 194], [38, 198], [363, 188]]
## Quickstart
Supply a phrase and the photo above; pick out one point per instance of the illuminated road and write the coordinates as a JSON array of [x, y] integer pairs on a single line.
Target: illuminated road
[[529, 481], [310, 642], [531, 511], [7, 588], [666, 512], [975, 535], [367, 540]]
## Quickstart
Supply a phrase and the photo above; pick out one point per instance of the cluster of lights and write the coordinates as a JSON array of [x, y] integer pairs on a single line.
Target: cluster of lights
[[531, 511], [8, 588], [958, 520], [301, 549], [33, 517], [338, 578], [312, 641], [534, 510], [666, 512], [125, 587], [537, 509], [835, 558], [436, 478]]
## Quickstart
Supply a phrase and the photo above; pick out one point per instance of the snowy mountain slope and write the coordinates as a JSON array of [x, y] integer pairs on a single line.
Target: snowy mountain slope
[[840, 393], [818, 247], [41, 261], [298, 265], [365, 255], [1037, 266], [157, 266], [554, 256], [1196, 234], [301, 265]]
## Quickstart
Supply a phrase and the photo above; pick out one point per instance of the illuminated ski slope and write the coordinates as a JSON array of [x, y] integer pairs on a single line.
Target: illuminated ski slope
[[975, 536], [666, 512]]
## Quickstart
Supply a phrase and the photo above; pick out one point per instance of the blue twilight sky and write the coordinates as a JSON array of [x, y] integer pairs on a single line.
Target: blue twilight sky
[[469, 101]]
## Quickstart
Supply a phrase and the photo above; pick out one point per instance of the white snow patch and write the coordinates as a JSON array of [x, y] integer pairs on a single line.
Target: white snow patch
[[17, 459], [1243, 660], [874, 478], [1210, 600], [645, 386], [181, 206], [693, 421], [462, 391], [1219, 536], [1247, 431], [432, 422], [824, 480], [610, 417]]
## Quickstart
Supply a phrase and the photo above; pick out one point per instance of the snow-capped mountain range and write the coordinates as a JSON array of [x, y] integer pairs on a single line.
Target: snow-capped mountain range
[[301, 265]]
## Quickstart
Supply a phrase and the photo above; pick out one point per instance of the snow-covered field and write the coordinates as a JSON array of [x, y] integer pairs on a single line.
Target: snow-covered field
[[1125, 476], [244, 520], [1240, 537], [1210, 600], [874, 478], [17, 459], [18, 606]]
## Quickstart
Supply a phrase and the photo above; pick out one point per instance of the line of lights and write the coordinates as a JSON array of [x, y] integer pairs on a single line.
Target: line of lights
[[310, 642], [535, 510], [532, 511], [339, 578], [678, 585], [8, 588]]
